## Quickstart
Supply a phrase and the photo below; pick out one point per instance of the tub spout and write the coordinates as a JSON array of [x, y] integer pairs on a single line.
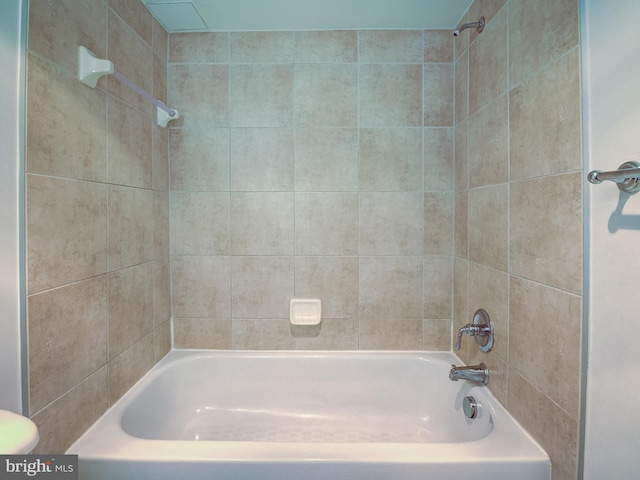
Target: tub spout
[[475, 373]]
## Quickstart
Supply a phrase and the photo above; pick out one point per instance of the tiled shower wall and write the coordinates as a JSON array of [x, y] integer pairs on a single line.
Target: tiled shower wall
[[518, 220], [97, 213], [312, 164]]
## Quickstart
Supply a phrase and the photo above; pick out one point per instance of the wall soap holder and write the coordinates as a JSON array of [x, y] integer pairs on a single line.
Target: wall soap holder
[[305, 311], [481, 328]]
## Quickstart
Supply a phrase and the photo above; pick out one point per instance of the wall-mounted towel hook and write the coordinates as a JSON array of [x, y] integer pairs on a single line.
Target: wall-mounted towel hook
[[91, 69]]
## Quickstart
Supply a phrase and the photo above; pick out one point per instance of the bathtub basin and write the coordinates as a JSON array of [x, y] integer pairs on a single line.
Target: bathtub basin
[[306, 415]]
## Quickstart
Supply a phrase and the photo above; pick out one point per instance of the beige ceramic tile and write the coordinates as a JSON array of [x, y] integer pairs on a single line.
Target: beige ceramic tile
[[262, 47], [483, 8], [136, 15], [326, 95], [201, 90], [488, 63], [391, 287], [161, 291], [390, 334], [489, 290], [130, 222], [438, 282], [326, 159], [546, 230], [160, 223], [160, 40], [326, 223], [199, 47], [488, 226], [462, 156], [332, 334], [390, 95], [63, 421], [161, 341], [438, 223], [261, 95], [461, 225], [133, 58], [536, 308], [66, 125], [66, 231], [334, 280], [438, 46], [262, 159], [331, 46], [462, 88], [130, 309], [545, 121], [261, 287], [391, 46], [200, 286], [439, 88], [556, 431], [199, 159], [130, 154], [128, 367], [67, 338], [56, 29], [489, 141], [436, 334], [199, 223], [391, 223], [160, 158], [460, 282], [159, 81], [262, 334], [262, 223], [539, 33], [438, 159], [202, 333], [391, 159]]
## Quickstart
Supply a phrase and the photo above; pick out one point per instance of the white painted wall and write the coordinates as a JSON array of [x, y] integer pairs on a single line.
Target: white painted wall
[[611, 72], [12, 17]]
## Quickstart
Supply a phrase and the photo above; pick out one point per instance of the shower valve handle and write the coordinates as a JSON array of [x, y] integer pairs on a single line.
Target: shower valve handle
[[481, 328]]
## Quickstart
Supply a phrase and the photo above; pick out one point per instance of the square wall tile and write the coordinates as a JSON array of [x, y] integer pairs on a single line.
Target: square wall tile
[[71, 319], [208, 333], [66, 219], [326, 159], [334, 280], [391, 287], [262, 224], [391, 46], [489, 227], [262, 159], [199, 47], [261, 95], [326, 223], [201, 286], [331, 46], [326, 95], [262, 334], [438, 46], [333, 334], [129, 367], [390, 334], [199, 159], [200, 223], [436, 334], [489, 141], [261, 47], [546, 230], [438, 286], [439, 162], [461, 225], [438, 223], [391, 159], [439, 87], [391, 223], [390, 95], [261, 287]]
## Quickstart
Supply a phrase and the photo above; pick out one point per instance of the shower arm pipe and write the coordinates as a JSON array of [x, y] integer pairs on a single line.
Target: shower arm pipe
[[479, 25], [91, 69]]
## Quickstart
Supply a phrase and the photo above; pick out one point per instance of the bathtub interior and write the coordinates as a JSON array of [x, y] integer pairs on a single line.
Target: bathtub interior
[[304, 397]]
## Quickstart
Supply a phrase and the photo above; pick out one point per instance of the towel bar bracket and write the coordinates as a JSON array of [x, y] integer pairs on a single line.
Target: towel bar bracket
[[627, 177]]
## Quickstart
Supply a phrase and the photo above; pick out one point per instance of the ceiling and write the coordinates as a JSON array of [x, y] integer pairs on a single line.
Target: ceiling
[[265, 15]]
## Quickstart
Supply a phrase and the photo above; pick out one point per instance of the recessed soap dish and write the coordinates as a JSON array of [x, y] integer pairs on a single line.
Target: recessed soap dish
[[305, 311]]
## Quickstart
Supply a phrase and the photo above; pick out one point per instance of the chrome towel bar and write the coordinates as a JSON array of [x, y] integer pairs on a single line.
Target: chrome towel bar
[[627, 177]]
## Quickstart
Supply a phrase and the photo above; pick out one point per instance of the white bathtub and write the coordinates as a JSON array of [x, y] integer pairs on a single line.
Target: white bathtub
[[202, 414]]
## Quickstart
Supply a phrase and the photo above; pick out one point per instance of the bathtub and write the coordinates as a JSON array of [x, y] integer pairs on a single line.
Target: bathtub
[[201, 414]]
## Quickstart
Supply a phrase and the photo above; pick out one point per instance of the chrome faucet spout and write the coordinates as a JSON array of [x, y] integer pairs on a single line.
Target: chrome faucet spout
[[474, 373]]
